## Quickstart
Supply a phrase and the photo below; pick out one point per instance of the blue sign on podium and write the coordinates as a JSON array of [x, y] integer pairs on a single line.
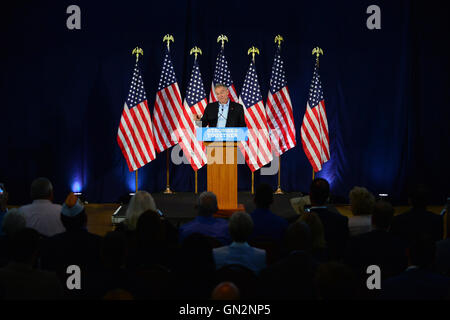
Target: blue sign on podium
[[222, 134]]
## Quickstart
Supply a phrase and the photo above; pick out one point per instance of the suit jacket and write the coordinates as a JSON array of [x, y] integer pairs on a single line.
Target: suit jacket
[[290, 278], [335, 227], [414, 222], [235, 117], [380, 248], [415, 284], [240, 253]]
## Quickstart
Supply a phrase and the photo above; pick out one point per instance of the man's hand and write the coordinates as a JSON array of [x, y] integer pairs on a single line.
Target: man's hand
[[197, 117]]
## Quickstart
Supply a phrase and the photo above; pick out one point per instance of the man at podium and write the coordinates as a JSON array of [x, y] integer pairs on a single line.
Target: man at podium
[[224, 112]]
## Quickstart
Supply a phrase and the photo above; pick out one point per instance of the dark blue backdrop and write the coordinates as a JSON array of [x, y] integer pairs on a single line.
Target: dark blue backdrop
[[386, 91]]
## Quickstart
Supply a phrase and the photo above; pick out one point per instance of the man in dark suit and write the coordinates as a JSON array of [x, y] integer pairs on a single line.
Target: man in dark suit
[[377, 247], [418, 220], [418, 281], [335, 225], [224, 112]]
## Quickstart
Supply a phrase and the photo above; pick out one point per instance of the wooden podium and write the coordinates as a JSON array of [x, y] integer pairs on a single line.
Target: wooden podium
[[222, 176]]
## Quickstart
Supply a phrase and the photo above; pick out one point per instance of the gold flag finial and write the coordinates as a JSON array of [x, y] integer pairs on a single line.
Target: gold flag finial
[[278, 40], [222, 38], [317, 51], [195, 51], [253, 51], [137, 51], [168, 38]]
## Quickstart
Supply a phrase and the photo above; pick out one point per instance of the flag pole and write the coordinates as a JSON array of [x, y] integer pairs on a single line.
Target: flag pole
[[253, 183], [167, 191], [318, 51], [196, 178], [167, 38], [136, 179], [279, 191], [253, 51], [279, 39], [137, 51], [196, 51]]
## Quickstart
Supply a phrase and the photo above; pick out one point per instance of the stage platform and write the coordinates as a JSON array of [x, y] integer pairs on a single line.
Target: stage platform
[[179, 208]]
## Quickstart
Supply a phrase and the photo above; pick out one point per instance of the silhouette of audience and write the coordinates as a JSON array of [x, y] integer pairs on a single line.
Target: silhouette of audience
[[322, 255]]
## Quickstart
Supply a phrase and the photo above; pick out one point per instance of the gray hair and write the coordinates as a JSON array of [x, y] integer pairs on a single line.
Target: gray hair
[[207, 204], [362, 201], [13, 222], [139, 203], [240, 226], [218, 85], [41, 188]]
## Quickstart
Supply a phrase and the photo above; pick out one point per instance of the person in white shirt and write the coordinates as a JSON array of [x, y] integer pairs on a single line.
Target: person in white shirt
[[362, 203], [239, 251], [42, 215]]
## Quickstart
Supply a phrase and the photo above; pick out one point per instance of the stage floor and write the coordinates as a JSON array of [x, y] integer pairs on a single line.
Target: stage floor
[[180, 208]]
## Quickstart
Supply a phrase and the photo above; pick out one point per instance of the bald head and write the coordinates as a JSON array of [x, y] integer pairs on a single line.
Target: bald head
[[225, 291]]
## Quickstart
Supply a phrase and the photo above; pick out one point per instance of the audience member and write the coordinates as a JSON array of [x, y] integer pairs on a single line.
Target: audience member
[[300, 203], [266, 224], [225, 291], [378, 247], [153, 247], [19, 280], [319, 246], [195, 268], [239, 251], [418, 220], [335, 281], [42, 215], [12, 222], [205, 223], [75, 246], [139, 203], [291, 277], [419, 281], [335, 225], [361, 202], [114, 275]]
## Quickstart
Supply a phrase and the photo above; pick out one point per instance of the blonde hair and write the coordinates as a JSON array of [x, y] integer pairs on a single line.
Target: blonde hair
[[362, 201], [139, 203], [316, 227]]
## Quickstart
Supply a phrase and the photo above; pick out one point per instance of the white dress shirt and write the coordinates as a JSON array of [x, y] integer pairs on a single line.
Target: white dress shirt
[[44, 217], [223, 114]]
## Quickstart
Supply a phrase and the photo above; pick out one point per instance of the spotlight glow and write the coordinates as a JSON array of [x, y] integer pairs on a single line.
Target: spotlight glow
[[76, 187]]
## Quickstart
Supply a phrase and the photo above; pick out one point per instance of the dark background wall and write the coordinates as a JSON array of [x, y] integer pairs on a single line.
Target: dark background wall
[[386, 91]]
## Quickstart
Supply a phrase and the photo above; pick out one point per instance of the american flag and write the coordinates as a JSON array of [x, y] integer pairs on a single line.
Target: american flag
[[279, 109], [195, 95], [222, 75], [257, 150], [314, 129], [135, 136], [173, 123]]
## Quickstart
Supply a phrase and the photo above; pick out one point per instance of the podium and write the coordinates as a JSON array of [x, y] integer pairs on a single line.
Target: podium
[[221, 152]]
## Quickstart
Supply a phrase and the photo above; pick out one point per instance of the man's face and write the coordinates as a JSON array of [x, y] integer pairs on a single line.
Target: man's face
[[222, 94]]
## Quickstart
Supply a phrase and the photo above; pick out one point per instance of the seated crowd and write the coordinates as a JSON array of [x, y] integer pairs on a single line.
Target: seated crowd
[[322, 255]]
